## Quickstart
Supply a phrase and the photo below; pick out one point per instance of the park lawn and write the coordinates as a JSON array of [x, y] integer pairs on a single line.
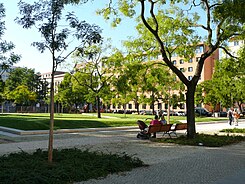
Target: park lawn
[[40, 121]]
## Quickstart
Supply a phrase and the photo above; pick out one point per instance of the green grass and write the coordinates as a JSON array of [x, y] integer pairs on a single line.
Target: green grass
[[204, 140], [73, 121], [69, 166], [234, 130]]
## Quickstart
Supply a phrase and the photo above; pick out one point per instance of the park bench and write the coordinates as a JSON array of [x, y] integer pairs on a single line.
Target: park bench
[[182, 126], [160, 128], [167, 129]]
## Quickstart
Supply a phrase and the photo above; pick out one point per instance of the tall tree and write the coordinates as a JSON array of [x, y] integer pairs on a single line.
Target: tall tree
[[69, 95], [7, 56], [94, 71], [223, 20], [227, 85], [46, 16]]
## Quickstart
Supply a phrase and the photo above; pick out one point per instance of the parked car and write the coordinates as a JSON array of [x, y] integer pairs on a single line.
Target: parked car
[[223, 114], [200, 111], [145, 112], [180, 113]]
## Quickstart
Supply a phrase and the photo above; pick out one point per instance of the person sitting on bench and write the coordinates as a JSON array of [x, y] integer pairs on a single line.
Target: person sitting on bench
[[155, 122], [163, 120]]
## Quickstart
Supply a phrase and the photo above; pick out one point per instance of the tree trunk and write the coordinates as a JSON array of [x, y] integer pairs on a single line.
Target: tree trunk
[[51, 128], [98, 106], [191, 128]]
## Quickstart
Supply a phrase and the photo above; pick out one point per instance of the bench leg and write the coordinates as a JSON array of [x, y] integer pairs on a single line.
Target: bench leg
[[166, 133]]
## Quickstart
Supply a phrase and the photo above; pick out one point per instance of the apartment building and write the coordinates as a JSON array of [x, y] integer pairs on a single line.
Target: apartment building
[[233, 47], [58, 78], [188, 68]]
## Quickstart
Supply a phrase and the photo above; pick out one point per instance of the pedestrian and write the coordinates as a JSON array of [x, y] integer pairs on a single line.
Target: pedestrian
[[236, 116], [230, 115]]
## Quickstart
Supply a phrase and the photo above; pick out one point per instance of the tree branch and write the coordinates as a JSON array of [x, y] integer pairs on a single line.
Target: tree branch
[[227, 52]]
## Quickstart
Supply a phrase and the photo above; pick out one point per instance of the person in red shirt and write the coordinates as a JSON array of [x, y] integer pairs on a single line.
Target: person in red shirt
[[155, 122]]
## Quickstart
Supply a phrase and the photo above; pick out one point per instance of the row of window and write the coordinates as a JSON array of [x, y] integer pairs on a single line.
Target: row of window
[[199, 49], [190, 69], [181, 61], [143, 106]]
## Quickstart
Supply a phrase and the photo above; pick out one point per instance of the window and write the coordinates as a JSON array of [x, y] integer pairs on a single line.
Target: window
[[181, 61], [174, 62], [199, 49], [189, 77], [144, 106], [166, 106], [182, 106], [190, 60], [113, 106], [182, 69], [174, 54], [236, 43], [197, 59], [159, 106], [190, 69], [130, 106]]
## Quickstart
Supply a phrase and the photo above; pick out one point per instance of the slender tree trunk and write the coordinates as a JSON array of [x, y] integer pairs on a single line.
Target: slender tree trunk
[[51, 128], [191, 128], [98, 106], [152, 103]]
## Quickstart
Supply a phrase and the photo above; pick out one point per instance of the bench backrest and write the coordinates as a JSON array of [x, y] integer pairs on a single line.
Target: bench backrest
[[181, 126], [166, 127], [154, 128]]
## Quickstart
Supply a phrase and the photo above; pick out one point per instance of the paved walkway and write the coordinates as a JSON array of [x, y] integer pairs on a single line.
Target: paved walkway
[[168, 163]]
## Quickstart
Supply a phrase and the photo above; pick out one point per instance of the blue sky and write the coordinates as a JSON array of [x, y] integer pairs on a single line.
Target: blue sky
[[41, 62]]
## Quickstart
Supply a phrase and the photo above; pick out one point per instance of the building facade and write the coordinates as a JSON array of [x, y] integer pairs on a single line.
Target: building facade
[[188, 68]]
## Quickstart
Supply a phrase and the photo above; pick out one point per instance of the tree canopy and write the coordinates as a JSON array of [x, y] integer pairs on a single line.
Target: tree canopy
[[212, 22]]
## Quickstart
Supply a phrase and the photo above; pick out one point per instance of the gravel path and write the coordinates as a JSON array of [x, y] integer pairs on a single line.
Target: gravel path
[[168, 163]]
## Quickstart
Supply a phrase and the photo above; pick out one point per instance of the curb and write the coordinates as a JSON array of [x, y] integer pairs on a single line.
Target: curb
[[60, 131]]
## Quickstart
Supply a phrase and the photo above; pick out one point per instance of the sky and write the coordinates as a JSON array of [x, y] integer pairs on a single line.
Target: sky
[[41, 62]]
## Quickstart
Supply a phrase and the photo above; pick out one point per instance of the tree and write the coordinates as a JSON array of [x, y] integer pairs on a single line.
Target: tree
[[7, 56], [227, 85], [69, 95], [223, 20], [46, 16], [23, 79], [22, 95], [23, 76], [94, 72]]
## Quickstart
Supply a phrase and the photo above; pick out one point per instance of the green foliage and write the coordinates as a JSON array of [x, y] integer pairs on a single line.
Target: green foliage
[[227, 84], [21, 95], [205, 140], [94, 73], [69, 166], [69, 94], [234, 130], [24, 86], [7, 56]]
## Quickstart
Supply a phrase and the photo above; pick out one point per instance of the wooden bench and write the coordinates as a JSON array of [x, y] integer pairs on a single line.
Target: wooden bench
[[182, 126], [160, 128]]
